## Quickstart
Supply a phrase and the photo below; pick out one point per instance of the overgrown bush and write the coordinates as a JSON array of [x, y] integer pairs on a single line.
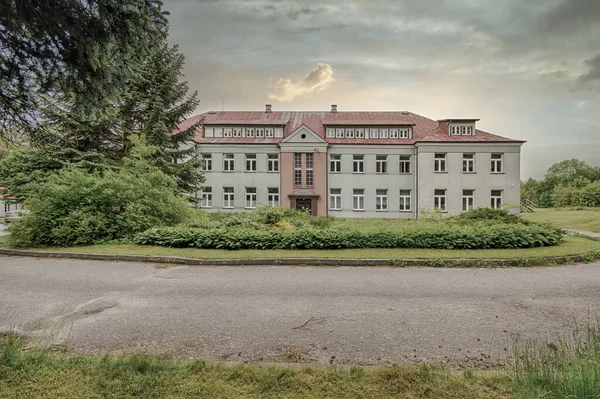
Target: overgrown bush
[[74, 207], [490, 215], [477, 235]]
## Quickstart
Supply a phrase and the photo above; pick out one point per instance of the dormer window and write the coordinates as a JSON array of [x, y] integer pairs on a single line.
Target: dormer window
[[463, 128]]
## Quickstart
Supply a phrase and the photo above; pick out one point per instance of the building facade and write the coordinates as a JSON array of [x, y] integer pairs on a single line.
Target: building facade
[[353, 164]]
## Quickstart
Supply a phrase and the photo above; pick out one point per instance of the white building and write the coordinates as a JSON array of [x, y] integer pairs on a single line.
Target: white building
[[353, 164]]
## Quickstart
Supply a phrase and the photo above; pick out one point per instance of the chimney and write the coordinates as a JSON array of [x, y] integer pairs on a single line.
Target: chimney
[[333, 108], [268, 109]]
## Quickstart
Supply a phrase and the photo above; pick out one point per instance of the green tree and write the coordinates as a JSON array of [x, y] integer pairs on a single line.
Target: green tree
[[568, 171], [590, 194], [565, 196], [75, 53]]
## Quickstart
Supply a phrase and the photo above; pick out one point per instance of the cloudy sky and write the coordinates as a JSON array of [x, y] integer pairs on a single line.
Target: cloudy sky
[[529, 69]]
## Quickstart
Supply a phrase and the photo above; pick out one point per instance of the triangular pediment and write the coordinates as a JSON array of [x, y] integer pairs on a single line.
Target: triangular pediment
[[303, 134]]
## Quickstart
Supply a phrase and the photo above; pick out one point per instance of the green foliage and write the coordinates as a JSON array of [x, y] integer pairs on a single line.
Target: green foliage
[[490, 215], [590, 195], [566, 196], [77, 207], [476, 235]]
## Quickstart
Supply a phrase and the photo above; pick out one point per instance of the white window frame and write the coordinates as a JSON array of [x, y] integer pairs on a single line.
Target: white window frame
[[228, 197], [358, 199], [440, 161], [496, 199], [273, 196], [273, 163], [269, 132], [335, 163], [335, 199], [439, 200], [227, 132], [468, 163], [330, 133], [359, 133], [350, 133], [383, 133], [309, 170], [237, 132], [206, 197], [468, 200], [250, 163], [358, 164], [381, 200], [339, 133], [206, 165], [260, 132], [250, 202], [404, 161], [381, 164], [497, 163], [297, 169], [405, 201], [228, 162], [250, 132], [374, 133], [404, 133]]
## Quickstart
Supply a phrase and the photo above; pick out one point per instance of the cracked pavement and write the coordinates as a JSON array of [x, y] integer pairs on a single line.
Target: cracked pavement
[[453, 317]]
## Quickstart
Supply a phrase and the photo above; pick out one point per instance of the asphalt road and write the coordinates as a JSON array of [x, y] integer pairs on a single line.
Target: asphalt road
[[457, 317]]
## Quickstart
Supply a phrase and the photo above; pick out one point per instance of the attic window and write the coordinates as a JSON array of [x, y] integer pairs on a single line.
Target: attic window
[[461, 130]]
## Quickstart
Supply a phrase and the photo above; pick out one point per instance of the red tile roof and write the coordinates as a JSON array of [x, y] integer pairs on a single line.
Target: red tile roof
[[424, 129]]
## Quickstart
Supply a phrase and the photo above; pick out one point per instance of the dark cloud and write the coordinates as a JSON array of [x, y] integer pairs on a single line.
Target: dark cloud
[[572, 16], [593, 74]]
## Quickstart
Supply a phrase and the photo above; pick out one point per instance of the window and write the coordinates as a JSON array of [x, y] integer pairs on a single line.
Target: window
[[468, 200], [468, 131], [335, 198], [496, 201], [309, 170], [269, 132], [227, 132], [273, 163], [405, 133], [360, 133], [358, 199], [250, 197], [374, 133], [237, 132], [381, 164], [228, 199], [6, 208], [297, 169], [335, 163], [383, 133], [330, 132], [358, 164], [455, 130], [273, 196], [206, 162], [439, 199], [405, 164], [228, 163], [260, 132], [250, 132], [468, 163], [206, 197], [250, 162], [349, 133], [393, 133], [439, 163], [381, 202], [497, 163], [405, 200], [339, 133]]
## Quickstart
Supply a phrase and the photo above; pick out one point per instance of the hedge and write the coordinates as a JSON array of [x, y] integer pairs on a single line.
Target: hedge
[[441, 236]]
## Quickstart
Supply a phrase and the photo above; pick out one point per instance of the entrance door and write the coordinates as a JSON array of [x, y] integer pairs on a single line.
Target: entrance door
[[304, 204]]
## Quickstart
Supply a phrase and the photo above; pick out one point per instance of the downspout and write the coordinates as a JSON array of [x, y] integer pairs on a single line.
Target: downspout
[[416, 181]]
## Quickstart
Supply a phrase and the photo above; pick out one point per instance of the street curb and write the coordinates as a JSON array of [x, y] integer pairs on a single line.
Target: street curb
[[302, 261]]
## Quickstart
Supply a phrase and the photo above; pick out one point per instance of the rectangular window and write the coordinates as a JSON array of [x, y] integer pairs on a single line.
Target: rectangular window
[[349, 133], [383, 133], [227, 132], [228, 163], [273, 196], [237, 132], [339, 133], [250, 162], [250, 132], [496, 197], [439, 199], [335, 163], [405, 200], [309, 170], [496, 166], [405, 133], [330, 132], [381, 164], [358, 164], [228, 199], [468, 163], [374, 133], [335, 198], [206, 162], [6, 208], [260, 132], [393, 133], [455, 130], [405, 164], [206, 197], [360, 133], [381, 202], [468, 200], [358, 199], [439, 163], [297, 169], [250, 197], [273, 163], [269, 132]]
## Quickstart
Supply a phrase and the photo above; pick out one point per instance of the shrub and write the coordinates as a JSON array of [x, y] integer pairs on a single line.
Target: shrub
[[74, 207], [476, 235], [491, 215]]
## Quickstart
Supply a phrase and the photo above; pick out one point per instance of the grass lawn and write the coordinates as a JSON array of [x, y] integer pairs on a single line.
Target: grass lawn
[[39, 374], [570, 246], [585, 219]]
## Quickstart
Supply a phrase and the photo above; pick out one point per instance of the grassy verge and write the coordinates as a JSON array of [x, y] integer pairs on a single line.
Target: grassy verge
[[574, 218], [39, 374], [569, 246]]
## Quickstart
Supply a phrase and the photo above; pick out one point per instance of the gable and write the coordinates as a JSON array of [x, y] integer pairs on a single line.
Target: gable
[[303, 135]]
